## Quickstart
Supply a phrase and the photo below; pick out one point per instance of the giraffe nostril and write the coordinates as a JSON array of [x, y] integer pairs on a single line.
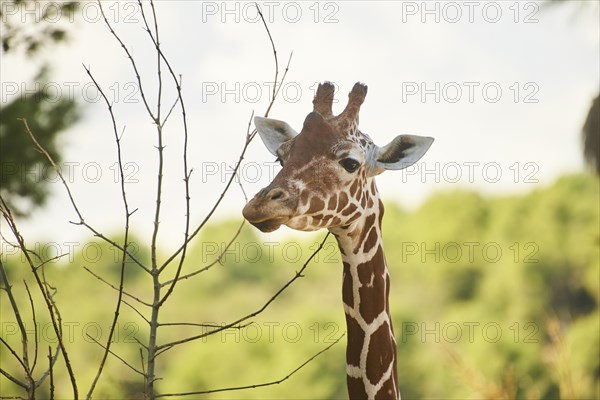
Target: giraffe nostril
[[277, 194]]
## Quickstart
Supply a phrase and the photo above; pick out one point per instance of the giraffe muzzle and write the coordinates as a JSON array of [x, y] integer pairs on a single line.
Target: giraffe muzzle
[[270, 208]]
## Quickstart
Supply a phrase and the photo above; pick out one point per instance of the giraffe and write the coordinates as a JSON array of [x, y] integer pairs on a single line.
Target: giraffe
[[327, 181]]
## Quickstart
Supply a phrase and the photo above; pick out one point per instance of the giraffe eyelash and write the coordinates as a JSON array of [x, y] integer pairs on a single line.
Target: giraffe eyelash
[[278, 159]]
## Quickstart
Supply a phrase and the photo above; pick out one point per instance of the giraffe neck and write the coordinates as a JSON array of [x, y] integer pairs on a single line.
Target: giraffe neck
[[371, 347]]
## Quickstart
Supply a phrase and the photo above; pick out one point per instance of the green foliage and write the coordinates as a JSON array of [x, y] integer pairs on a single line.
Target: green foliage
[[24, 172], [41, 28], [469, 326]]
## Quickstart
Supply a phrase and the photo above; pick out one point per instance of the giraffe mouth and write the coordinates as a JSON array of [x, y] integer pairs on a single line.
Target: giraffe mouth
[[269, 209], [269, 225]]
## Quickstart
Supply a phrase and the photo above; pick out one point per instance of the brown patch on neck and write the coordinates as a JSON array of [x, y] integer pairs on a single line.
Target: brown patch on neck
[[347, 293], [356, 389], [373, 292], [372, 301], [356, 340], [389, 388], [379, 356], [371, 241], [367, 226]]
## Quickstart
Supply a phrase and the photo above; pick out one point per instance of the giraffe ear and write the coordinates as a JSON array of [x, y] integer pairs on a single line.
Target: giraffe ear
[[403, 151], [273, 132]]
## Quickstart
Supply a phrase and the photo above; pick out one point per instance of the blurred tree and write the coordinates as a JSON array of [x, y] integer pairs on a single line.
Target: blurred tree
[[591, 127], [591, 136], [28, 27]]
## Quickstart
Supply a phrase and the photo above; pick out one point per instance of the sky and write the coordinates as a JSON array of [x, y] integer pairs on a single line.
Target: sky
[[503, 87]]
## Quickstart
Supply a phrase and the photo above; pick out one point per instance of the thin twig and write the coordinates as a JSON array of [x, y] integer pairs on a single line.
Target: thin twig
[[156, 40], [132, 61], [114, 354], [137, 311], [116, 288], [157, 301], [50, 365], [229, 244], [14, 353], [114, 244], [287, 67], [186, 175], [298, 274], [48, 371], [53, 259], [228, 389], [72, 200], [13, 379], [164, 121], [215, 261], [24, 340], [262, 18], [35, 329], [127, 216], [249, 138], [201, 325], [42, 284], [143, 370]]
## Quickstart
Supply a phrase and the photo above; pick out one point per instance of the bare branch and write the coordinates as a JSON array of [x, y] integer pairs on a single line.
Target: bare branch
[[14, 353], [164, 121], [230, 243], [216, 260], [157, 301], [72, 200], [13, 380], [24, 340], [287, 67], [35, 330], [16, 246], [114, 354], [262, 18], [228, 389], [156, 40], [132, 61], [116, 288], [298, 274], [249, 138], [127, 216], [51, 305], [42, 285], [50, 368], [40, 148], [114, 244], [137, 311], [201, 325]]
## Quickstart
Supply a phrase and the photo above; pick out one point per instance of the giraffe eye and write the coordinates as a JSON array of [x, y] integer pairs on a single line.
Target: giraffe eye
[[350, 164]]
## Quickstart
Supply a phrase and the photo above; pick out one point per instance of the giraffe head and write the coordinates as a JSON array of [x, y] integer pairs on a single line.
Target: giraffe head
[[328, 168]]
